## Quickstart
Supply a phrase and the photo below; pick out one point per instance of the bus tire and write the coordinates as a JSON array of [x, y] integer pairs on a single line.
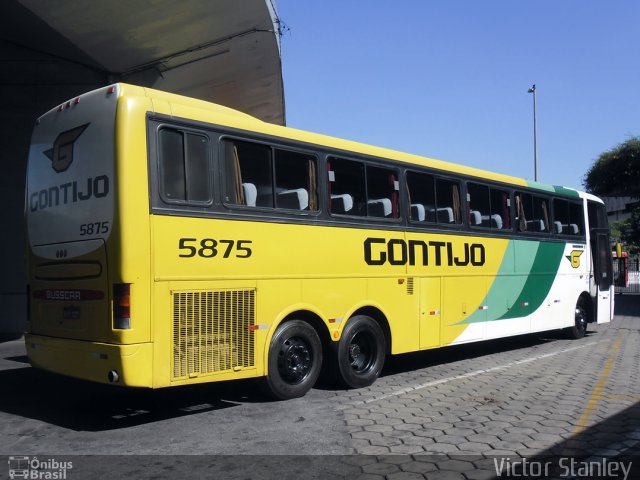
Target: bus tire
[[294, 361], [361, 352], [579, 328]]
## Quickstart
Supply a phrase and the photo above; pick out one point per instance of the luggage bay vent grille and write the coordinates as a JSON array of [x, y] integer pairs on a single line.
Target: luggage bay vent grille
[[211, 332]]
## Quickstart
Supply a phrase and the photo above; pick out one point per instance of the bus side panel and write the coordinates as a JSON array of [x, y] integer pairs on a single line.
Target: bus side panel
[[465, 266], [270, 263], [463, 298], [129, 252], [430, 292], [333, 299], [398, 299]]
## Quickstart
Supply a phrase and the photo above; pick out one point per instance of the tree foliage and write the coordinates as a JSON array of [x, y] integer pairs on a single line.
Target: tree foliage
[[630, 231], [616, 172]]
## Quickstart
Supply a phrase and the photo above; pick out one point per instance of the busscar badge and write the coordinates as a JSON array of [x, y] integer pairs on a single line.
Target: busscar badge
[[61, 155]]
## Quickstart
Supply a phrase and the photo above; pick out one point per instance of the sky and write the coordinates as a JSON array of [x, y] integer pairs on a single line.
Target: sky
[[449, 79]]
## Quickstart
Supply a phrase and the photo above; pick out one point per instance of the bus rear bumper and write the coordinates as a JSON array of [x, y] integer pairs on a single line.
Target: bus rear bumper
[[124, 365]]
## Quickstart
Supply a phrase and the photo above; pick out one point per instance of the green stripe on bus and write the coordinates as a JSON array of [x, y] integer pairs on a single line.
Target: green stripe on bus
[[506, 286], [541, 186], [528, 281], [566, 191], [539, 280]]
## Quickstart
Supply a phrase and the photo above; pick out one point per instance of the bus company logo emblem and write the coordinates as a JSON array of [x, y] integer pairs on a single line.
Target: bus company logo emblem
[[574, 258], [61, 155]]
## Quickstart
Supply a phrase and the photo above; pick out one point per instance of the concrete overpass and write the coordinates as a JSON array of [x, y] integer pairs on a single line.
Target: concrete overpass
[[225, 51]]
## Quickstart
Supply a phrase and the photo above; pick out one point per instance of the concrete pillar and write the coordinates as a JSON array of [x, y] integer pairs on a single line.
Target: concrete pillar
[[31, 83]]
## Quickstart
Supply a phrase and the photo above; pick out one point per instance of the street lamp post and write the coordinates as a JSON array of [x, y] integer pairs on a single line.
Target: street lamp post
[[535, 134]]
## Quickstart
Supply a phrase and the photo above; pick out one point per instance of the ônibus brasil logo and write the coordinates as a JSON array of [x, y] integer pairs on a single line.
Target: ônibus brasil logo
[[61, 155], [38, 469]]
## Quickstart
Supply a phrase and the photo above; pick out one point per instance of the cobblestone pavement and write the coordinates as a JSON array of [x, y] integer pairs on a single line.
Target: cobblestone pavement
[[465, 412], [552, 399]]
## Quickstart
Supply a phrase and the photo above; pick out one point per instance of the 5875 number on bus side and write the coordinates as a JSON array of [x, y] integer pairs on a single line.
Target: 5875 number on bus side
[[209, 248]]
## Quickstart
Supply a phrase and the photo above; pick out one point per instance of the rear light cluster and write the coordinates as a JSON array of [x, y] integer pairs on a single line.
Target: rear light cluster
[[122, 306], [68, 104], [110, 91]]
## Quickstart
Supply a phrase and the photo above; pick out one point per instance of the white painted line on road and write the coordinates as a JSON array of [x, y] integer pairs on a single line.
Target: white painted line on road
[[475, 373]]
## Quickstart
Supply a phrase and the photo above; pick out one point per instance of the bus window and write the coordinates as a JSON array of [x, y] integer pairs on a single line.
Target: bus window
[[500, 209], [382, 192], [576, 217], [448, 207], [479, 205], [184, 166], [433, 200], [296, 185], [597, 215], [488, 207], [347, 187], [541, 213], [567, 218], [532, 213], [248, 173], [422, 197]]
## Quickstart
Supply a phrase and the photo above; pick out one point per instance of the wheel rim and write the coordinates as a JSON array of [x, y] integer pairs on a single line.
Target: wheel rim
[[362, 352], [581, 318], [294, 360]]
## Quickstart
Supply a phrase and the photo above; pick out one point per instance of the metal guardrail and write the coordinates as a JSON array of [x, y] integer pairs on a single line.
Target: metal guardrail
[[627, 277]]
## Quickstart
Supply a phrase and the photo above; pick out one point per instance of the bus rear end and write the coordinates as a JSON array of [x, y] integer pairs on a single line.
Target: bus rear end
[[79, 307]]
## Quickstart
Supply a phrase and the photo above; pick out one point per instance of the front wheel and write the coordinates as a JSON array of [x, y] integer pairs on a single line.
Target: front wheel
[[579, 328], [361, 352], [294, 362]]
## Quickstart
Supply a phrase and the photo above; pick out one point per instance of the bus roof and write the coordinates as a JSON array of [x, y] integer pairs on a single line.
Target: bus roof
[[200, 110]]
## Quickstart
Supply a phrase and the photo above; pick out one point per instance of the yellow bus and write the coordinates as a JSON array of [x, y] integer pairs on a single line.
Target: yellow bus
[[173, 241]]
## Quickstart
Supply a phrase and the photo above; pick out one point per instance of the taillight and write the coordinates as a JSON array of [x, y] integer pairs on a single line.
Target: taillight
[[122, 306]]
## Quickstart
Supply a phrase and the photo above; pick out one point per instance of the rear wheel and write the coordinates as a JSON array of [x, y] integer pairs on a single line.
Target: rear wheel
[[361, 352], [294, 362], [579, 328]]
